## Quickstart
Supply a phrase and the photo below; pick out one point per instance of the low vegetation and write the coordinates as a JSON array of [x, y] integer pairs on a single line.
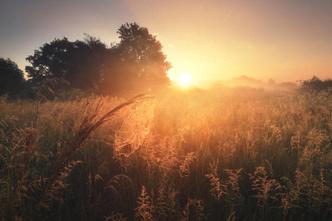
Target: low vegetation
[[215, 155]]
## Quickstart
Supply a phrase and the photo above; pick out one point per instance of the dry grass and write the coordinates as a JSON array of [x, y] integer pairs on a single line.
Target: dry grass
[[217, 155]]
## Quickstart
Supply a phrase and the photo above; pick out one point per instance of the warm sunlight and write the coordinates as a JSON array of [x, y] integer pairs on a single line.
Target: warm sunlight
[[182, 79], [154, 110]]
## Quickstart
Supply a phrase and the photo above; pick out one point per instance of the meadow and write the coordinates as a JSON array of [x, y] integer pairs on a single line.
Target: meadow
[[220, 154]]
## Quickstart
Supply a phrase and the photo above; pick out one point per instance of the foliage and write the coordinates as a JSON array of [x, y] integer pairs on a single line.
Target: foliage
[[12, 82], [144, 206], [316, 84], [79, 63], [231, 155], [136, 63]]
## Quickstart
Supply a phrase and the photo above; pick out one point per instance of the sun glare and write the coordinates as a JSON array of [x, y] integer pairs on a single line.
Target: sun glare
[[183, 80]]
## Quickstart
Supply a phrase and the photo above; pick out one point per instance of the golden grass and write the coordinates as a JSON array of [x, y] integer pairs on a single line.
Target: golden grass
[[208, 155]]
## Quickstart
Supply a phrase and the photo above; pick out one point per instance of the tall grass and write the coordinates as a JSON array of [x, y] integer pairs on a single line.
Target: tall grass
[[221, 155]]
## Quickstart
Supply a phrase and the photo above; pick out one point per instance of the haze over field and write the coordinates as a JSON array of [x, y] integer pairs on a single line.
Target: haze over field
[[211, 40], [166, 110]]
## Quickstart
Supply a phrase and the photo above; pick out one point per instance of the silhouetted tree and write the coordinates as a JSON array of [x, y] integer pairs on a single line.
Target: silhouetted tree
[[12, 82], [316, 84], [137, 63], [79, 63]]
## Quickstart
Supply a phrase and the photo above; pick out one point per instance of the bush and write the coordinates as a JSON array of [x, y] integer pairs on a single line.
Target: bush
[[316, 84]]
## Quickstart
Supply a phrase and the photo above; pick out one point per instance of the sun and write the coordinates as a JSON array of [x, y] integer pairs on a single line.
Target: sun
[[183, 80]]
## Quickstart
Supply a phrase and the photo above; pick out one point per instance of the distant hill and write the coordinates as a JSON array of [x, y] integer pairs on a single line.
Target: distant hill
[[246, 81]]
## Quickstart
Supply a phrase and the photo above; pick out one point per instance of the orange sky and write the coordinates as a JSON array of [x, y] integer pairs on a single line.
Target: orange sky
[[211, 39], [222, 39]]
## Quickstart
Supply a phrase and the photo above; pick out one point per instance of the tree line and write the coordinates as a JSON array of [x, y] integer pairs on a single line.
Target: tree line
[[135, 64]]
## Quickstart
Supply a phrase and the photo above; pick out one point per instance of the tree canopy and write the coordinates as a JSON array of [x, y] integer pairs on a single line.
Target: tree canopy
[[12, 81], [316, 84], [78, 62], [136, 63]]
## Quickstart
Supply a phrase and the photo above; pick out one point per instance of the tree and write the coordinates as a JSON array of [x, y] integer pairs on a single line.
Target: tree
[[12, 80], [316, 84], [137, 63], [79, 63]]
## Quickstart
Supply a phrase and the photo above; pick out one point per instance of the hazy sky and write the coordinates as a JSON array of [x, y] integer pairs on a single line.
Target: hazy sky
[[210, 39]]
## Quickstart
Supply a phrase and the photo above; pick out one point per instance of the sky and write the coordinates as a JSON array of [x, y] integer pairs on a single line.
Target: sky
[[212, 40]]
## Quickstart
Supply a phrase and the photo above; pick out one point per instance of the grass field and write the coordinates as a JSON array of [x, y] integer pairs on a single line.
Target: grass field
[[231, 154]]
